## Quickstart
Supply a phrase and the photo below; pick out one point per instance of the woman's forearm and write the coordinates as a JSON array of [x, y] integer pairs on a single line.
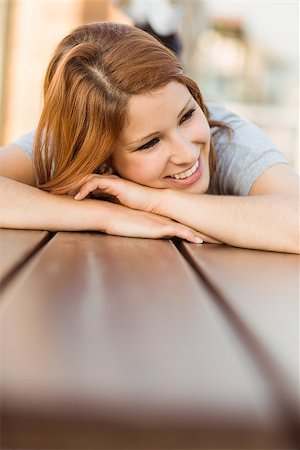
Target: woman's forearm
[[265, 222], [26, 207]]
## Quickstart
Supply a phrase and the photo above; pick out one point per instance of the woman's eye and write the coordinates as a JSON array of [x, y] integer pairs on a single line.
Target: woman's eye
[[149, 144], [187, 115]]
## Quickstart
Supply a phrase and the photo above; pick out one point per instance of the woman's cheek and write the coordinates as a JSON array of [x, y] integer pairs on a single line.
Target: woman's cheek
[[147, 170], [131, 169], [205, 131]]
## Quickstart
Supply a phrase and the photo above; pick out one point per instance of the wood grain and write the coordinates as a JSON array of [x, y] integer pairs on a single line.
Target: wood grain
[[259, 291], [16, 246], [111, 342]]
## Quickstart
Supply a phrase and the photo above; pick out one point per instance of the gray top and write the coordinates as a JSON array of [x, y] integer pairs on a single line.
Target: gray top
[[239, 162]]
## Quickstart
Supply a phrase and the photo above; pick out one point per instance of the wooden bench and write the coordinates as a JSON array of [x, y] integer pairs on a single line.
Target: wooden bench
[[123, 343]]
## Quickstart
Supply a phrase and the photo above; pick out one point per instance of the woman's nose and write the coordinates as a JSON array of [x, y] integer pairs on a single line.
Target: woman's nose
[[182, 151]]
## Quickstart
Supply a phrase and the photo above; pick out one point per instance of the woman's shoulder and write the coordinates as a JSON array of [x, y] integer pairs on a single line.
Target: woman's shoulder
[[220, 112], [25, 142], [244, 131], [241, 158], [246, 135]]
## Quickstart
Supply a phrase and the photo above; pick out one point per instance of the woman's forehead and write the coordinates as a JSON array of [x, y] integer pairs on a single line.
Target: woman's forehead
[[146, 110], [172, 92]]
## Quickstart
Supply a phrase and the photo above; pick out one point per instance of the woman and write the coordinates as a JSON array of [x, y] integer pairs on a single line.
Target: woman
[[121, 118]]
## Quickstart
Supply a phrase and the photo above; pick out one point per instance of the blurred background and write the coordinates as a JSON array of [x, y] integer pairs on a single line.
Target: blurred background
[[243, 54]]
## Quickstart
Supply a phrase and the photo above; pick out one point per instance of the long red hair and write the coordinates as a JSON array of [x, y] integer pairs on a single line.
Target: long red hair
[[89, 81]]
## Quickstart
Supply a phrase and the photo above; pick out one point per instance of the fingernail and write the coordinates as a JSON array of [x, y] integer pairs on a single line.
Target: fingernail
[[76, 197], [198, 240]]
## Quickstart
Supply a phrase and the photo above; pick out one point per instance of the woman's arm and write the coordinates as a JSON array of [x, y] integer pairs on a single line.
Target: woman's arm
[[23, 206], [267, 219], [264, 222], [26, 207]]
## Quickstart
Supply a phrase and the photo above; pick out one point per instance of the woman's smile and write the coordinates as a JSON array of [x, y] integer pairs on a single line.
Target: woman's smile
[[189, 176]]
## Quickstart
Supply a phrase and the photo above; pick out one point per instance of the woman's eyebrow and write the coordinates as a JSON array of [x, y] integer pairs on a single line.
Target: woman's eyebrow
[[156, 132]]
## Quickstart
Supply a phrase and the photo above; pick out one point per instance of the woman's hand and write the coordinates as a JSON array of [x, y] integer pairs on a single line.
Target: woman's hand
[[126, 192], [123, 221], [136, 197]]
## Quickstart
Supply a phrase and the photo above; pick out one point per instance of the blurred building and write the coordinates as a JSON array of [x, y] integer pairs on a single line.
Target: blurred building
[[233, 67], [30, 31]]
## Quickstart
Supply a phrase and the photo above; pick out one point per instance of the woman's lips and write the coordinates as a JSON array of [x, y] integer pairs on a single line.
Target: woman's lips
[[189, 180]]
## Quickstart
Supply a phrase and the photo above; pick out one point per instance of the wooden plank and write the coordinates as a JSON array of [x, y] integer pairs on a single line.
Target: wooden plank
[[16, 246], [260, 292], [111, 342]]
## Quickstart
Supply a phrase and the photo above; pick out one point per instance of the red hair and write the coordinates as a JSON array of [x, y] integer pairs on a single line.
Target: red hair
[[89, 81]]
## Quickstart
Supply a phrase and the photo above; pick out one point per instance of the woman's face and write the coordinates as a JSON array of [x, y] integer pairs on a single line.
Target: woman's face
[[166, 141]]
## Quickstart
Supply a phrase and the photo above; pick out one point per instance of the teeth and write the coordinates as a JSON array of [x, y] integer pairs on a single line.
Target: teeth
[[187, 173]]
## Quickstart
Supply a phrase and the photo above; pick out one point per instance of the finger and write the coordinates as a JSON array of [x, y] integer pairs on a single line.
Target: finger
[[108, 184], [210, 240], [196, 237], [87, 188], [183, 232], [190, 236], [82, 193], [207, 238]]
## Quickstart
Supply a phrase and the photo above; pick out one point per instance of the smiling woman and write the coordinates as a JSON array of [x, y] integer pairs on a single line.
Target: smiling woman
[[121, 118]]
